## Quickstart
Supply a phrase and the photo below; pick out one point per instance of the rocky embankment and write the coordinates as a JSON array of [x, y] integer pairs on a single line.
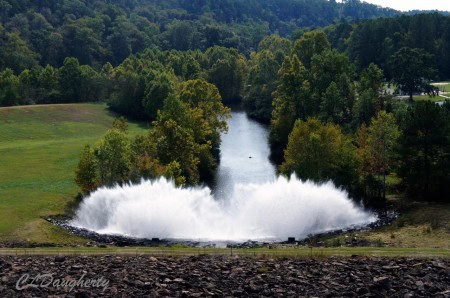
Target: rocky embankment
[[207, 276]]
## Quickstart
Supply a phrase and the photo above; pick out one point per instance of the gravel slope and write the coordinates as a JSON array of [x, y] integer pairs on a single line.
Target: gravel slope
[[206, 276]]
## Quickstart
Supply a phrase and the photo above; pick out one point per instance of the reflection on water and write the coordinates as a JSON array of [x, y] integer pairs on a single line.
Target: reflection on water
[[245, 155]]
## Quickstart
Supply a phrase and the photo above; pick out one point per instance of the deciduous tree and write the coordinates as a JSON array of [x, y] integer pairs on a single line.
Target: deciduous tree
[[292, 100], [86, 174], [320, 152], [383, 134], [412, 70], [113, 157]]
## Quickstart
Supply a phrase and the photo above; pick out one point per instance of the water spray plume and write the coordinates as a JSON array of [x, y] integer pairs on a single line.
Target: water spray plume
[[268, 211]]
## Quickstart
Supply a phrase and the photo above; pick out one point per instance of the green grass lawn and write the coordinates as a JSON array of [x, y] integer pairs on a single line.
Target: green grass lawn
[[426, 97], [443, 86], [39, 150]]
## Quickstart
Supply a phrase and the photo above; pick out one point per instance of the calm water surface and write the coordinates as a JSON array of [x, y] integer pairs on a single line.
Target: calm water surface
[[244, 155]]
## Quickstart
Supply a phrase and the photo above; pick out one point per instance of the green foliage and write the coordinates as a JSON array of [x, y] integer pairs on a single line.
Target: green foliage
[[174, 141], [113, 155], [173, 171], [207, 117], [261, 83], [278, 46], [377, 151], [143, 163], [70, 80], [370, 88], [179, 35], [120, 124], [182, 145], [69, 84], [332, 105], [326, 90], [372, 78], [86, 172], [97, 32], [127, 92], [156, 92], [207, 112], [383, 135], [48, 90], [16, 53], [320, 152], [9, 88], [412, 70], [377, 40], [366, 106], [292, 100], [310, 44], [425, 151], [90, 84], [262, 78], [329, 67], [228, 71]]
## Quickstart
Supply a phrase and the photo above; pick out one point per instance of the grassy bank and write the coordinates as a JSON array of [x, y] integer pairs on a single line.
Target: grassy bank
[[420, 225], [260, 252], [39, 150], [431, 98]]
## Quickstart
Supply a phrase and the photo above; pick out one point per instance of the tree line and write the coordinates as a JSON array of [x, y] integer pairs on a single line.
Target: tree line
[[96, 32], [376, 40], [183, 143], [328, 121], [136, 88], [331, 122], [322, 92]]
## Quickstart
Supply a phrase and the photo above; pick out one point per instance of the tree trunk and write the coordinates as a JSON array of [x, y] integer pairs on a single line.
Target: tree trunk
[[411, 97]]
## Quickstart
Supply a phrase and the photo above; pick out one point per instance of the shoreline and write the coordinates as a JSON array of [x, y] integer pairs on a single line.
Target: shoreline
[[94, 239]]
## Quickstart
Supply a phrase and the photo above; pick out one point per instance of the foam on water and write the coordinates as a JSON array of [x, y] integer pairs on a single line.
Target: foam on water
[[273, 210]]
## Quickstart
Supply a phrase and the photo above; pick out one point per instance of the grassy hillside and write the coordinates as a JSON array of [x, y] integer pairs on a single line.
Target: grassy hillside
[[39, 150]]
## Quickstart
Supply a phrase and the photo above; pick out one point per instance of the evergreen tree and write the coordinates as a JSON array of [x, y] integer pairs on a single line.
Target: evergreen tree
[[425, 152]]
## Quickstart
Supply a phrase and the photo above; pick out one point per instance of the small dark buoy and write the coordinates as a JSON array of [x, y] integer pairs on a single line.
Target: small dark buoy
[[249, 157]]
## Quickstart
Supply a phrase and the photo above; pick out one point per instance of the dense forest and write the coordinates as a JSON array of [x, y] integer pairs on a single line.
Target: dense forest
[[177, 64], [96, 32], [375, 41]]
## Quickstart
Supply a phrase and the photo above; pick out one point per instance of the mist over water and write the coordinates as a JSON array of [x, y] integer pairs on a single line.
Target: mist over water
[[247, 200], [270, 211]]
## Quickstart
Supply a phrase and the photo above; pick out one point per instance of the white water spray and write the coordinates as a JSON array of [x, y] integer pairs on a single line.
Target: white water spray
[[269, 211]]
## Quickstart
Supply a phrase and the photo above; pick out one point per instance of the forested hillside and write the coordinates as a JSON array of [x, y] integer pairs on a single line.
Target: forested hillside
[[95, 32], [375, 41], [326, 76]]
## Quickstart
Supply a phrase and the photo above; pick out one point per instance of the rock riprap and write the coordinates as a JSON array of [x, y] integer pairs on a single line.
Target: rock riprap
[[208, 276]]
